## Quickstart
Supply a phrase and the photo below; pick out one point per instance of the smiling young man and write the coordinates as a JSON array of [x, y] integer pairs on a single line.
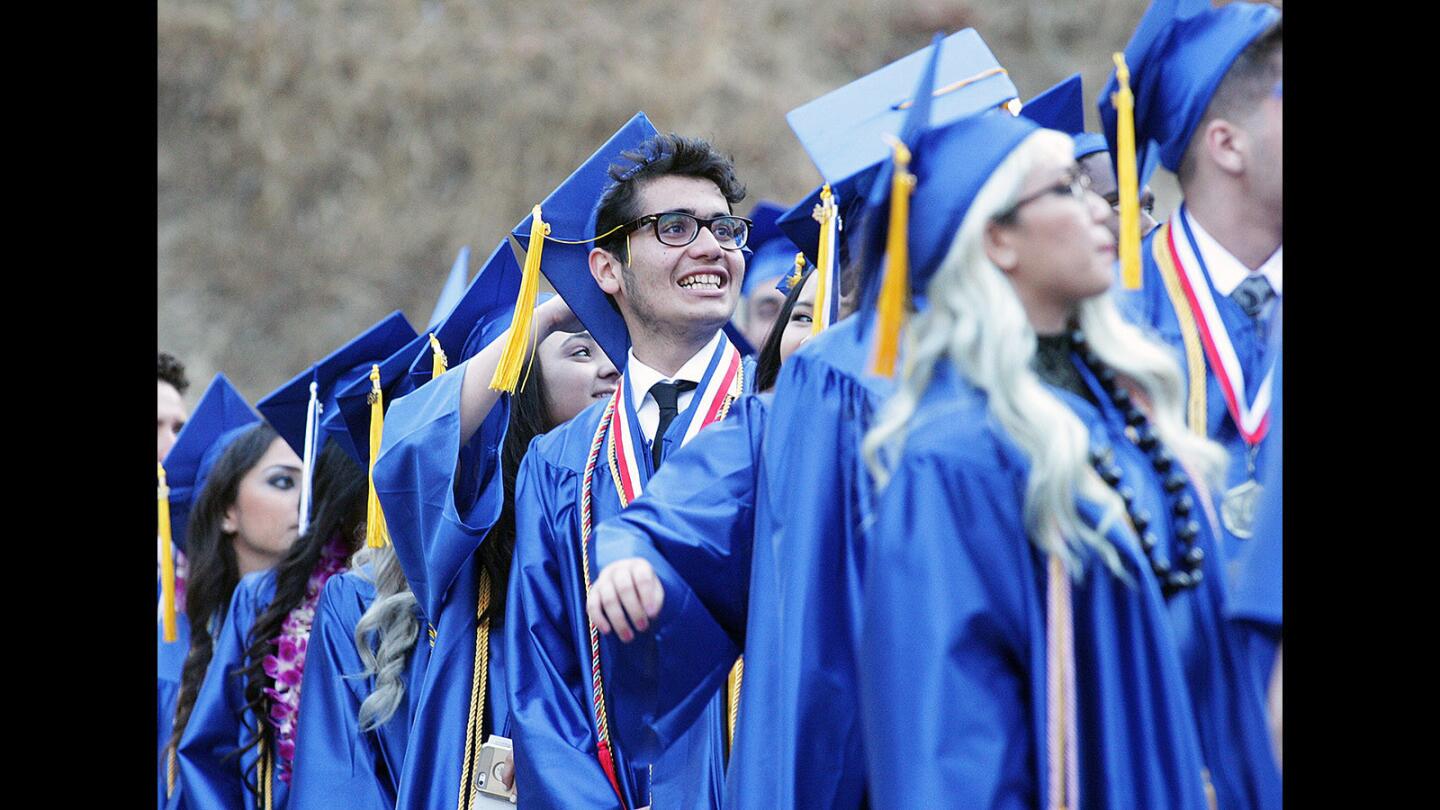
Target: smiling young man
[[656, 290]]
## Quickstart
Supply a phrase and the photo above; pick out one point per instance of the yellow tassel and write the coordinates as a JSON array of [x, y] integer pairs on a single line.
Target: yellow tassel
[[825, 214], [438, 359], [517, 346], [167, 560], [376, 535], [895, 285], [1125, 172], [799, 273]]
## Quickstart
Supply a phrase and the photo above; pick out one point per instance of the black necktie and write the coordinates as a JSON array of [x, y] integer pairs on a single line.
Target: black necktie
[[1253, 293], [666, 394]]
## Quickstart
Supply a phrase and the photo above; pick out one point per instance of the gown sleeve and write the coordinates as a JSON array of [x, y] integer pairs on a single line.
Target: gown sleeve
[[943, 688], [555, 758], [335, 763], [694, 525], [211, 773], [440, 496]]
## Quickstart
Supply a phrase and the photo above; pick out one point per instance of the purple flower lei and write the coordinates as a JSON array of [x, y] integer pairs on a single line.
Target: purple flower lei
[[287, 664]]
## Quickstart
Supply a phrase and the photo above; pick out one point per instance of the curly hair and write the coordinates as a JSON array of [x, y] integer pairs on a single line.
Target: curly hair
[[170, 370]]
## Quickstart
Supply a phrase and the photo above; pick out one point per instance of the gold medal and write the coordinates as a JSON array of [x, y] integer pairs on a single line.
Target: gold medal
[[1238, 508]]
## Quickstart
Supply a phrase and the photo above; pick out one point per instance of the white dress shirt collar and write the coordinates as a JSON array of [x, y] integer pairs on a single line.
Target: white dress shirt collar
[[641, 378], [1226, 271]]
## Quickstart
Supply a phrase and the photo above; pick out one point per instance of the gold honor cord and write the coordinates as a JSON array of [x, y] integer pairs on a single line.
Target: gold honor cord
[[1196, 408], [266, 773], [167, 559], [895, 284], [732, 691], [1125, 171], [170, 767], [376, 534], [475, 724], [825, 213], [953, 86], [438, 361]]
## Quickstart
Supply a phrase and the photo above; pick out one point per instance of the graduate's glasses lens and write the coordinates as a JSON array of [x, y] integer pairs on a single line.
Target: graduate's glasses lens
[[678, 230]]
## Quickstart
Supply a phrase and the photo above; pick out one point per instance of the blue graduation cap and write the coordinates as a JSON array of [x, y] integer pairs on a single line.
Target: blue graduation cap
[[1177, 57], [287, 407], [774, 253], [843, 131], [221, 417], [1088, 143], [352, 397], [796, 275], [490, 298], [454, 288], [570, 212], [1060, 107], [950, 161]]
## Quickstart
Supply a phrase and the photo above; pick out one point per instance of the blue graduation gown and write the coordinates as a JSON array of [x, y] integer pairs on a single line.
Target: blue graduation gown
[[954, 705], [694, 524], [792, 519], [798, 742], [336, 764], [1256, 602], [169, 665], [440, 500], [1150, 308], [210, 775], [548, 648]]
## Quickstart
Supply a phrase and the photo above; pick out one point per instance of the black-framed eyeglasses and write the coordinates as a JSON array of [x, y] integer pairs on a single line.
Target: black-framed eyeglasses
[[678, 229], [1077, 185]]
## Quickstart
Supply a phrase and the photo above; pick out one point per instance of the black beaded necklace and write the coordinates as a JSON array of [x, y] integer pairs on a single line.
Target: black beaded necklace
[[1174, 481]]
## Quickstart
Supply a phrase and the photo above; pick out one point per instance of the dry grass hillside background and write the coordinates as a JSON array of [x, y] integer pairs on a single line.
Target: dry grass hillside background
[[320, 163]]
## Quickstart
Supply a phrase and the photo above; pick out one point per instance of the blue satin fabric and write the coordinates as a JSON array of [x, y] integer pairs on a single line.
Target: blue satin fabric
[[210, 774], [798, 742], [336, 764], [731, 509], [1257, 602], [548, 649], [953, 673], [1150, 308], [440, 500], [694, 525], [169, 665]]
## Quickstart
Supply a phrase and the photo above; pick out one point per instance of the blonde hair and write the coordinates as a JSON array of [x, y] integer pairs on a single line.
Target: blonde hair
[[975, 320]]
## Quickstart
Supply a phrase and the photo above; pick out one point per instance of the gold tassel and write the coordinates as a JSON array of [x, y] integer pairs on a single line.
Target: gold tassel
[[799, 273], [376, 535], [825, 214], [167, 560], [1125, 172], [517, 346], [895, 285], [439, 362]]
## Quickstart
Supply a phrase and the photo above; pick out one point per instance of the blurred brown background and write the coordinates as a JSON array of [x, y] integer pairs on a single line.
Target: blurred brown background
[[320, 163]]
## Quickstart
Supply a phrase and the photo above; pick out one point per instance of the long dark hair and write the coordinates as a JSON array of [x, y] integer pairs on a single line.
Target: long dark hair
[[339, 510], [529, 417], [214, 571], [767, 364]]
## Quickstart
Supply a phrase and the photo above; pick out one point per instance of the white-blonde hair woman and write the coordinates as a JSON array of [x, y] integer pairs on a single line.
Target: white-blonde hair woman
[[1042, 618]]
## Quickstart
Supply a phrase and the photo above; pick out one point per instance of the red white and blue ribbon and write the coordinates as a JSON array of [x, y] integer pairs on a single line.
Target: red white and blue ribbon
[[1252, 419], [631, 466]]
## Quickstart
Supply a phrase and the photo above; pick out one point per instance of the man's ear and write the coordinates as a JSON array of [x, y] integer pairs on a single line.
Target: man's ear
[[1226, 145], [605, 268], [1000, 247]]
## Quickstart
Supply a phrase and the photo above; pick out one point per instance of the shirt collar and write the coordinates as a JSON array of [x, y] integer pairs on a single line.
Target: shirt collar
[[1226, 271], [642, 377]]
